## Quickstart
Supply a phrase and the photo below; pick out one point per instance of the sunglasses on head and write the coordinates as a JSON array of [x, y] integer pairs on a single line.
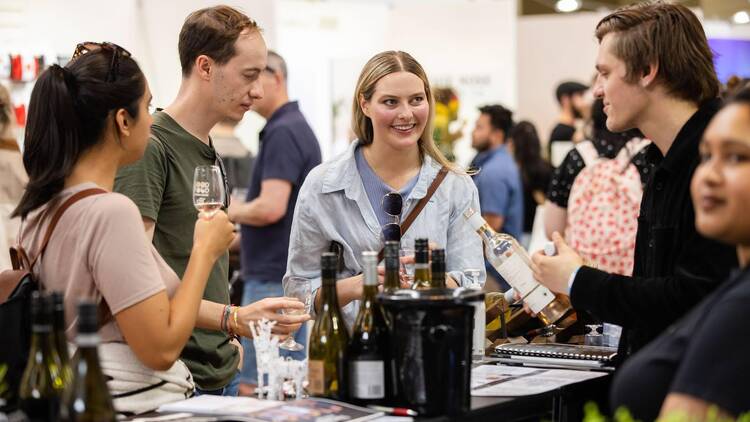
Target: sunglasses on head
[[116, 50]]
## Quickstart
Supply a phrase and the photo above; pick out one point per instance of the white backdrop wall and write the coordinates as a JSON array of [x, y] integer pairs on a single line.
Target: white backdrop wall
[[469, 45], [552, 49]]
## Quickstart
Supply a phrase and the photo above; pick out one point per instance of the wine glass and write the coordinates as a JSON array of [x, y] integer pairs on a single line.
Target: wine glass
[[208, 190], [298, 288]]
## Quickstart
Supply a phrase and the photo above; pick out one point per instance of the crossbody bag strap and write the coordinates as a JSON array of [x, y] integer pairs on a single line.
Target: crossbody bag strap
[[420, 205], [59, 213]]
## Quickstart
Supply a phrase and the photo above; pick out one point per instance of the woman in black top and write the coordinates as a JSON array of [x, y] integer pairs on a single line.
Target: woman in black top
[[535, 171], [607, 144], [701, 361]]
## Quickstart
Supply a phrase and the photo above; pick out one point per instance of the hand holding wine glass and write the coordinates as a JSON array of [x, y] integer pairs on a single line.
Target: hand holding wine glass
[[208, 190], [301, 289]]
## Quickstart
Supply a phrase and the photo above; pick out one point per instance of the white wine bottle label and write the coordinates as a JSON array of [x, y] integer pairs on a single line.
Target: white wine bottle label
[[367, 379], [316, 377], [518, 274]]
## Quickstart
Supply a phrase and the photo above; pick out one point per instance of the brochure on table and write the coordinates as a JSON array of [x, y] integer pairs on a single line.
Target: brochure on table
[[251, 409], [514, 381]]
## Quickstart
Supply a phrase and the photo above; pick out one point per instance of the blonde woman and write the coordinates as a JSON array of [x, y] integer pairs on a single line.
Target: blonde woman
[[341, 199], [12, 176]]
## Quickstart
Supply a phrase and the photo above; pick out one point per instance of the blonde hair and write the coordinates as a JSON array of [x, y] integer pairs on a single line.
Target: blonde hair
[[377, 67]]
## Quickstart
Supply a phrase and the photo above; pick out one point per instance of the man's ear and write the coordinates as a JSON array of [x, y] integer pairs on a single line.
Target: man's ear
[[649, 75], [122, 125], [204, 66]]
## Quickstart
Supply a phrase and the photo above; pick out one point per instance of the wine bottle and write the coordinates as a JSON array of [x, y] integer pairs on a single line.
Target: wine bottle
[[87, 399], [61, 342], [480, 318], [41, 384], [369, 343], [422, 279], [392, 266], [328, 339], [438, 267], [513, 263]]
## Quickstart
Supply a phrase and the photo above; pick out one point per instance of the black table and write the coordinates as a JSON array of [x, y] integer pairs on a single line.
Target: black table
[[564, 404]]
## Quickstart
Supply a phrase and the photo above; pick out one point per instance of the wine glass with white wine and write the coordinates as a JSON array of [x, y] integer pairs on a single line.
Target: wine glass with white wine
[[301, 289], [208, 190]]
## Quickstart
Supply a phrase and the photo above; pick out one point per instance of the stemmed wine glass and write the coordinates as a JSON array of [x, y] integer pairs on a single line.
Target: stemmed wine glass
[[298, 288], [208, 190]]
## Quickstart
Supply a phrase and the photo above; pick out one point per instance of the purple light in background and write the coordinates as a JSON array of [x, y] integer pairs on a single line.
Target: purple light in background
[[732, 57]]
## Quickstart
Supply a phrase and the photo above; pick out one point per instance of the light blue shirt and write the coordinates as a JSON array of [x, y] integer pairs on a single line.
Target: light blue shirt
[[500, 189], [376, 188], [333, 205]]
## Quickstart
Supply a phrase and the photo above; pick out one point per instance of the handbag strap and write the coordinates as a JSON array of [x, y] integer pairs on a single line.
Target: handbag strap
[[420, 205], [59, 213]]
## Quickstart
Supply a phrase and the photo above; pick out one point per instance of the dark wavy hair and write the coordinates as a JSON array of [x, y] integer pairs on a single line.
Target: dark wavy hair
[[527, 151], [68, 112]]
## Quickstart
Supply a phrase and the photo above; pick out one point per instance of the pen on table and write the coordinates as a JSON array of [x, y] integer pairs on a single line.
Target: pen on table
[[396, 411]]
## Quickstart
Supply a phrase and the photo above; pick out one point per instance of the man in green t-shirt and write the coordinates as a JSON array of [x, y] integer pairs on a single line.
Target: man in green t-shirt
[[222, 54]]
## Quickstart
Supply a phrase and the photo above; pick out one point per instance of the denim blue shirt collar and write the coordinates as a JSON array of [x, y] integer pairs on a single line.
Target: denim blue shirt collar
[[343, 175], [485, 156]]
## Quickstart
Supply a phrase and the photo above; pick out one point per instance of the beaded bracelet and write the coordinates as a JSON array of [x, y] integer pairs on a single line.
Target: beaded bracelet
[[225, 319]]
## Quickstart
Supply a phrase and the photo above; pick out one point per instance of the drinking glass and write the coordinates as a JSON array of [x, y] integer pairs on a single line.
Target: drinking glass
[[407, 269], [298, 288], [208, 190]]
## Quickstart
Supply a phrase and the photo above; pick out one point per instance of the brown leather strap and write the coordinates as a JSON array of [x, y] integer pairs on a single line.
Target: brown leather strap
[[9, 144], [58, 214], [420, 205]]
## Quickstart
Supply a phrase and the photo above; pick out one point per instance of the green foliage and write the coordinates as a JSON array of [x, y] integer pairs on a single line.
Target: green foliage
[[591, 413]]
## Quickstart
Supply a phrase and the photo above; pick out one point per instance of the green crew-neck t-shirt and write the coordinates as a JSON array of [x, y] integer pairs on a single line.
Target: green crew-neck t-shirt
[[161, 185]]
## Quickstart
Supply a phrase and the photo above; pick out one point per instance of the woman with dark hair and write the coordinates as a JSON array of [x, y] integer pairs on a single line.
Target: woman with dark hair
[[12, 176], [535, 171], [607, 145], [86, 120], [696, 369]]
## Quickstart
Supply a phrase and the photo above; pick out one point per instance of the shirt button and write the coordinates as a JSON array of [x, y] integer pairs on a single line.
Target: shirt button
[[651, 243], [659, 186]]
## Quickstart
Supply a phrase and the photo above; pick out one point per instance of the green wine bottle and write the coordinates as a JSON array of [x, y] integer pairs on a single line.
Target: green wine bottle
[[41, 384], [392, 266], [328, 339], [367, 352], [87, 399], [422, 279], [437, 257], [61, 342]]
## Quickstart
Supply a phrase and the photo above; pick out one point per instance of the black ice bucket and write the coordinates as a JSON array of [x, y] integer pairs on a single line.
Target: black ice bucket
[[430, 333]]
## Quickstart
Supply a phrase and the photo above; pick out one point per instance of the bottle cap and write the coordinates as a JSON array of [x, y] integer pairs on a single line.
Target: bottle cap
[[421, 250], [549, 248], [369, 267], [329, 265], [474, 219], [329, 261], [41, 308], [391, 248], [87, 317]]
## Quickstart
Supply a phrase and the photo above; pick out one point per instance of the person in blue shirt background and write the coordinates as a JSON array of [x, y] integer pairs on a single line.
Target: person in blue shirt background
[[498, 179]]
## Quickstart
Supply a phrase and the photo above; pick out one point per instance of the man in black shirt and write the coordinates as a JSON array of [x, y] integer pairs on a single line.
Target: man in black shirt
[[573, 106], [671, 98]]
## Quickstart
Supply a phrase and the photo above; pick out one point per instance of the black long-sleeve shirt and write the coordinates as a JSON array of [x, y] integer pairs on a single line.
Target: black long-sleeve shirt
[[675, 267]]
